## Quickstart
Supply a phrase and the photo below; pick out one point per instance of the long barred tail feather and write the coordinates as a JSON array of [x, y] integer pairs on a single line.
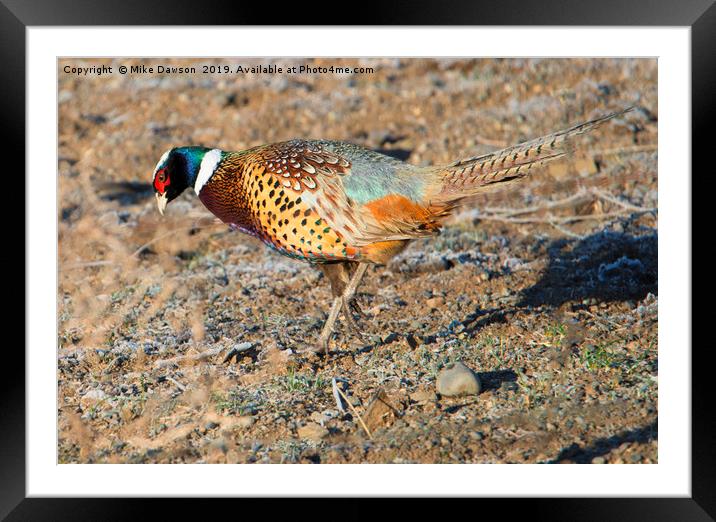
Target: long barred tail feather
[[469, 176]]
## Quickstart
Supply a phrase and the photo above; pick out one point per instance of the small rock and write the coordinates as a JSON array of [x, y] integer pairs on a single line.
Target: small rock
[[91, 398], [598, 460], [457, 379], [322, 417], [412, 341], [236, 350], [312, 431], [242, 347], [381, 411], [389, 338], [435, 302], [330, 414]]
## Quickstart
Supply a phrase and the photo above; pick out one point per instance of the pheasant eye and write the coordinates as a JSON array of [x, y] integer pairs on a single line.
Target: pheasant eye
[[161, 181]]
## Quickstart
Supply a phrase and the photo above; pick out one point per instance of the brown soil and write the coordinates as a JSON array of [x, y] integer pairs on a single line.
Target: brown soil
[[557, 316]]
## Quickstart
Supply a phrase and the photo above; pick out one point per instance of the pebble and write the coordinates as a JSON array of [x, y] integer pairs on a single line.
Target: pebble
[[435, 302], [312, 431], [389, 338], [242, 347], [323, 416], [457, 379], [412, 341], [91, 398]]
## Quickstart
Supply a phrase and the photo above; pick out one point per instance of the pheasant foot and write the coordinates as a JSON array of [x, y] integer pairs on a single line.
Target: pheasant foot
[[345, 302]]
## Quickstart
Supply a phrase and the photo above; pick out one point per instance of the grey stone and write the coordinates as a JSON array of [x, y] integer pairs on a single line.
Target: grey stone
[[92, 398], [457, 379]]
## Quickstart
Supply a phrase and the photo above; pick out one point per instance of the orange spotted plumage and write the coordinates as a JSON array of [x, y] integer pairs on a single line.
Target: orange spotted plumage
[[266, 192]]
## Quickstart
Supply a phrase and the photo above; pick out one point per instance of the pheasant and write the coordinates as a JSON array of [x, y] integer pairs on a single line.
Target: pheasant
[[340, 206]]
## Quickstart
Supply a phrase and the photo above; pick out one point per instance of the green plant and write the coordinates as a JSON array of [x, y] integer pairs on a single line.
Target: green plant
[[498, 350], [556, 333], [595, 357], [234, 402], [293, 382]]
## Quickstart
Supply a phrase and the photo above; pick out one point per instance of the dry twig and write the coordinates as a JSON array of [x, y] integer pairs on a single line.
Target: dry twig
[[336, 396], [176, 383], [360, 419], [206, 354]]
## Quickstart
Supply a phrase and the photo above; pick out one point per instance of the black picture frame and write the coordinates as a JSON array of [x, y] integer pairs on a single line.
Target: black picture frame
[[699, 15]]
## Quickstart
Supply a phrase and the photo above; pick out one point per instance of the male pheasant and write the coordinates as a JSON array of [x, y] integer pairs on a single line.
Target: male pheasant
[[338, 205]]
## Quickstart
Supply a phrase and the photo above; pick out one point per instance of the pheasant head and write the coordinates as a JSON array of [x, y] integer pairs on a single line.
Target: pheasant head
[[180, 168]]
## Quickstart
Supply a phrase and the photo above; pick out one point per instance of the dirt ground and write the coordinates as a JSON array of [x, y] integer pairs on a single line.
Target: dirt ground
[[547, 289]]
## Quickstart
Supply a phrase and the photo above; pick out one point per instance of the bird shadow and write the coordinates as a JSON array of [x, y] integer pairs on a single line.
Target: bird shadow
[[584, 455], [603, 267], [600, 268], [125, 192], [493, 380]]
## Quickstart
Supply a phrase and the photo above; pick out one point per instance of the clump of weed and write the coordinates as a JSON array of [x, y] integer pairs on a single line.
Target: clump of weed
[[235, 402], [298, 382]]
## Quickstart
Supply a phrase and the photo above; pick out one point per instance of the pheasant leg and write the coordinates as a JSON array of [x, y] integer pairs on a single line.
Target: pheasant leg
[[349, 306], [328, 326], [343, 296]]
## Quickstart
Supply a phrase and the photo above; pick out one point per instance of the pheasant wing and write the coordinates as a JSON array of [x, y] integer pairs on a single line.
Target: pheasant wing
[[320, 175]]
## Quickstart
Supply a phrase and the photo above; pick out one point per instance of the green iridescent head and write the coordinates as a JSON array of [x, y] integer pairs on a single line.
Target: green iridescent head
[[180, 168]]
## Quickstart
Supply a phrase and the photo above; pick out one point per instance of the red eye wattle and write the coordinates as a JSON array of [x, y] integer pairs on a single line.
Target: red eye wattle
[[161, 181]]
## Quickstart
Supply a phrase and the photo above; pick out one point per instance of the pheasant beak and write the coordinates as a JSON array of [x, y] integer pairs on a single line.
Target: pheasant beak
[[161, 202]]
